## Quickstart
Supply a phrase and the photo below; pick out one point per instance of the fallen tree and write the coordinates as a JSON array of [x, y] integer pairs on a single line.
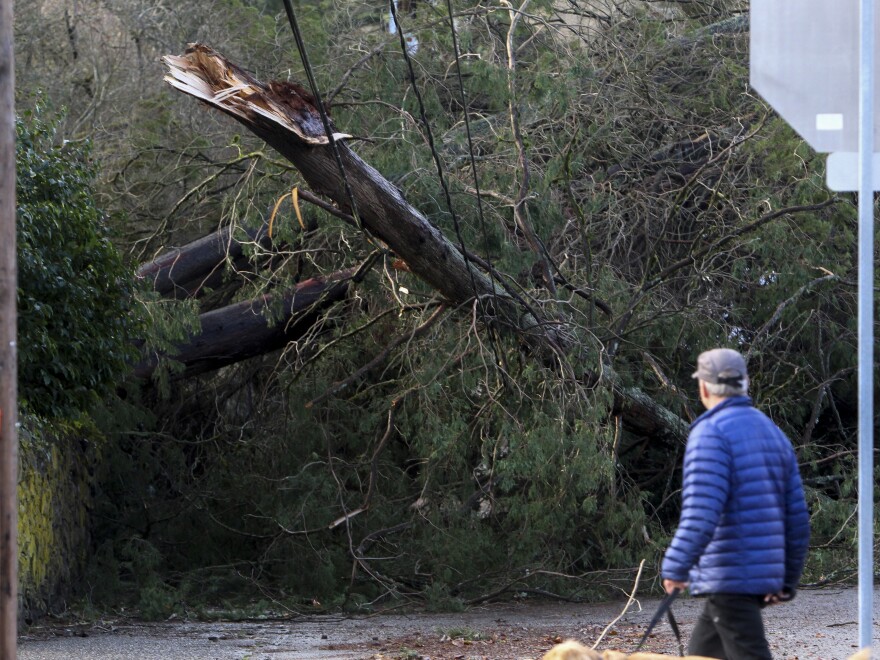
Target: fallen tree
[[188, 270], [283, 115], [250, 328]]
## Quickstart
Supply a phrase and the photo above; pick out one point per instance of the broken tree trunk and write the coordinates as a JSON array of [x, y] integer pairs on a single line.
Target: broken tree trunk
[[186, 271], [244, 330], [283, 114]]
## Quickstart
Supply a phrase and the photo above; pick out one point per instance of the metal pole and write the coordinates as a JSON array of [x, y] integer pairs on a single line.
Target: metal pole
[[8, 361], [866, 322]]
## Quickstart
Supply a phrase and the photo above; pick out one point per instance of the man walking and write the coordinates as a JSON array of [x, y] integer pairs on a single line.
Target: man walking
[[744, 530]]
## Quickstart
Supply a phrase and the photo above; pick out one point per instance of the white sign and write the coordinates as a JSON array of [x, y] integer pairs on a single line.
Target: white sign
[[805, 63], [842, 171]]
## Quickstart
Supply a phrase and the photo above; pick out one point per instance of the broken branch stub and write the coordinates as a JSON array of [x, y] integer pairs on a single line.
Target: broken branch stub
[[207, 75]]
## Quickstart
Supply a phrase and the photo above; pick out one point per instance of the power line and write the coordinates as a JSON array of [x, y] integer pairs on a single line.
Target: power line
[[304, 56], [443, 183], [470, 142]]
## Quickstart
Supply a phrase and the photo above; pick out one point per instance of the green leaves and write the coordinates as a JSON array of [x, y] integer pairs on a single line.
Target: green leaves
[[74, 292]]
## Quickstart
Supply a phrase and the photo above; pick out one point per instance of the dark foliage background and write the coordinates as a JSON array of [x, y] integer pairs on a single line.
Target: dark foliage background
[[458, 468]]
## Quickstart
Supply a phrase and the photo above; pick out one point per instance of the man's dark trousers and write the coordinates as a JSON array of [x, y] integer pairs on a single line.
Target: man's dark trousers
[[730, 628]]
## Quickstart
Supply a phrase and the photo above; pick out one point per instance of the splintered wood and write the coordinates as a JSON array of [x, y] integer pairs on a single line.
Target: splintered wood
[[205, 74]]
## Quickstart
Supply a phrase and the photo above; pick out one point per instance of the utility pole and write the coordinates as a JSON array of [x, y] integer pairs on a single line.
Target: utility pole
[[8, 361]]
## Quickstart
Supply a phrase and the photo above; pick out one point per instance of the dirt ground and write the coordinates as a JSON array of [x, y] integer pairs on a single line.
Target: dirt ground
[[817, 625]]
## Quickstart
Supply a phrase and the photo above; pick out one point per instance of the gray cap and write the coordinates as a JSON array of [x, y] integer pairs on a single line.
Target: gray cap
[[721, 365]]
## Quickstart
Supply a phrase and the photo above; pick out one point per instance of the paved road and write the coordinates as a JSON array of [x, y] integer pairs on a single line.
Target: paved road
[[289, 640], [817, 625]]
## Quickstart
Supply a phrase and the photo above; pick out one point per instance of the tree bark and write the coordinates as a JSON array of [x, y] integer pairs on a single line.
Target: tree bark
[[8, 355], [186, 271], [283, 116], [243, 330]]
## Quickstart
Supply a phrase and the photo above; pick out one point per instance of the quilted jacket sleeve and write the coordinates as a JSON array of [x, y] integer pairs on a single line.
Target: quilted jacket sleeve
[[705, 487], [797, 528]]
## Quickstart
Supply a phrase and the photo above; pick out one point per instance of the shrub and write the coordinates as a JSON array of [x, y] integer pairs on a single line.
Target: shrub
[[74, 292]]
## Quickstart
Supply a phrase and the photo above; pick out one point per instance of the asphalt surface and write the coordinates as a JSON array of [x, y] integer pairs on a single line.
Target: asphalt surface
[[818, 625]]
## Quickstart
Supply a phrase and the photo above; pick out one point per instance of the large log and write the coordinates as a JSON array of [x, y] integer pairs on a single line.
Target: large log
[[183, 272], [188, 271], [283, 115], [244, 330]]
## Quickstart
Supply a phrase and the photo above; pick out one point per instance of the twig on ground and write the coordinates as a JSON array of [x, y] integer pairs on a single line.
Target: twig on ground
[[630, 601]]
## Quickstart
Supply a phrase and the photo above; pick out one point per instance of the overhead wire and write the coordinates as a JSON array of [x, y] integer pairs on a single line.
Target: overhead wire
[[470, 142], [429, 134], [325, 119], [439, 165], [303, 53]]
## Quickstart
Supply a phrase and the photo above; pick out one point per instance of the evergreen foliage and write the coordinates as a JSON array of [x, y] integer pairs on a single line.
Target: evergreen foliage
[[76, 314], [459, 468]]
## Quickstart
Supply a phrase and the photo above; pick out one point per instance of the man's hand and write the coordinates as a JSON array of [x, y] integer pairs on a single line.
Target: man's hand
[[672, 585], [779, 597]]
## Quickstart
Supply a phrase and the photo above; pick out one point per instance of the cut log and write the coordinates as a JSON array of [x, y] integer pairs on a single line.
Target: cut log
[[186, 271], [244, 330]]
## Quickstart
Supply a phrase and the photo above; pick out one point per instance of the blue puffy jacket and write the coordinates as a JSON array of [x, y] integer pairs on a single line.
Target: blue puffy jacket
[[744, 524]]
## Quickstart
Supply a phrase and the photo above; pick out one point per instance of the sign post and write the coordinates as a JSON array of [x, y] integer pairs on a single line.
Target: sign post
[[866, 321], [803, 62]]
